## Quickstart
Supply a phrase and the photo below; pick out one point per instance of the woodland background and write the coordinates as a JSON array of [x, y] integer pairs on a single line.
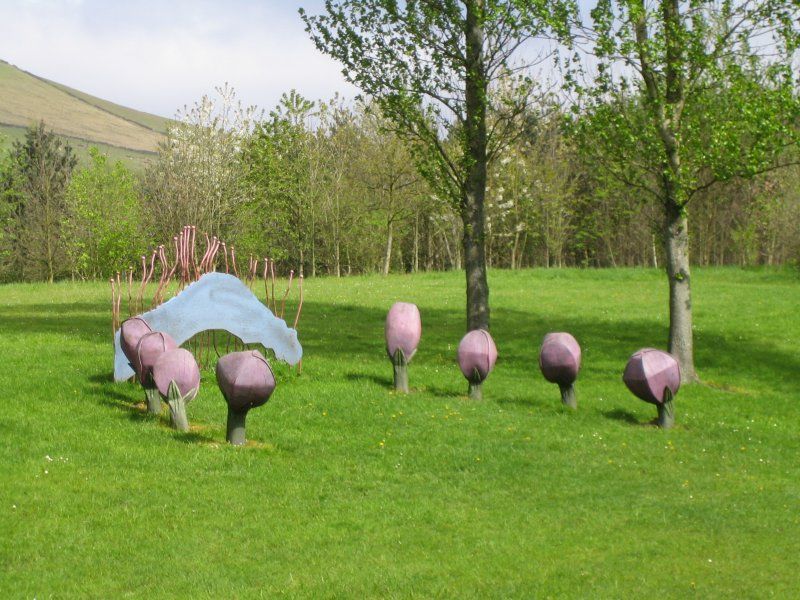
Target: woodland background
[[327, 188]]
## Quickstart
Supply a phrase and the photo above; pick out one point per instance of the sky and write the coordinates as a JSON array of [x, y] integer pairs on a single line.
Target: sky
[[159, 55]]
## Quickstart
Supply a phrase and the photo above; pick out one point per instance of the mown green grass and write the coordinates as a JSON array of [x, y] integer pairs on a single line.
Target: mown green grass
[[348, 490]]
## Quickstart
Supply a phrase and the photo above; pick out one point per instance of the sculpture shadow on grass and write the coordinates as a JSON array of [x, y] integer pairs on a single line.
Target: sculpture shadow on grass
[[121, 405], [369, 378], [85, 320], [628, 417], [132, 408], [102, 385], [193, 437]]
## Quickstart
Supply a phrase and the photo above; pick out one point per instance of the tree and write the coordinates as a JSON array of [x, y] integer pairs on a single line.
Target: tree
[[10, 202], [532, 191], [33, 192], [334, 151], [387, 172], [281, 171], [430, 66], [103, 218], [197, 178], [687, 95]]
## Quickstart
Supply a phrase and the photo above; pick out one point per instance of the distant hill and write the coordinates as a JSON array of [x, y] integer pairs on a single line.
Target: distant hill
[[123, 133]]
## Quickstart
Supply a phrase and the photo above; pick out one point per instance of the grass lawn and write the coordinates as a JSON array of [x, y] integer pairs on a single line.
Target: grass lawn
[[348, 490]]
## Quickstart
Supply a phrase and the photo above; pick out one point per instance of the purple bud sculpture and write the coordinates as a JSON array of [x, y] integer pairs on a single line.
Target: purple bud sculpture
[[477, 355], [655, 377], [177, 378], [403, 332], [560, 361], [130, 332], [150, 347], [246, 381]]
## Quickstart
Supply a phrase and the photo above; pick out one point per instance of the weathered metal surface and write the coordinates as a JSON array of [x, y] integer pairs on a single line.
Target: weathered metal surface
[[246, 379], [560, 358], [151, 346], [403, 329], [131, 331], [650, 373], [177, 366], [477, 355]]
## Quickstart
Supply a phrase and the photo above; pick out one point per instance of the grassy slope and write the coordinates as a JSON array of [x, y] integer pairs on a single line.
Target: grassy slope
[[25, 99], [154, 122], [349, 490], [132, 159]]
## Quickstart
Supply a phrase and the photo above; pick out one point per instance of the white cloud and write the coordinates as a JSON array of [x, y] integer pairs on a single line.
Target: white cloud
[[158, 56]]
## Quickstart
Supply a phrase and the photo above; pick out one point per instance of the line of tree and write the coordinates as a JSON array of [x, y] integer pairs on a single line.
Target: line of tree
[[332, 191]]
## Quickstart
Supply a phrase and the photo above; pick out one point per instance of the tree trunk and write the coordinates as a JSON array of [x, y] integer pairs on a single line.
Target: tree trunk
[[665, 112], [336, 258], [680, 296], [387, 257], [49, 240], [456, 252], [429, 256], [447, 249], [313, 245], [472, 201], [415, 264], [514, 250], [400, 259], [301, 264], [655, 254]]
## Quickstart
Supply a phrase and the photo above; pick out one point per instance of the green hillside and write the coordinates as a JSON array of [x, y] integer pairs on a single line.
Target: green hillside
[[154, 122], [135, 160], [123, 133]]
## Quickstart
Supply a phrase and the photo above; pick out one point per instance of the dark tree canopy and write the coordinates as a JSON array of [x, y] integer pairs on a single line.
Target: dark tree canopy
[[33, 194]]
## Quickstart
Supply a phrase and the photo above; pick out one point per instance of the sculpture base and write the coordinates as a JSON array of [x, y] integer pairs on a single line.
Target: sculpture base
[[153, 400], [476, 391], [568, 396], [235, 430], [177, 409], [400, 371], [666, 414]]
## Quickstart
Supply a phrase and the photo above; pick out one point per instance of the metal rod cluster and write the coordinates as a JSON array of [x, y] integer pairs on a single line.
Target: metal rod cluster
[[180, 267]]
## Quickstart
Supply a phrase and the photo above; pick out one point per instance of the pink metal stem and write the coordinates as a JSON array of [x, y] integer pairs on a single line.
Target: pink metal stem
[[266, 287], [300, 305], [113, 308], [272, 273], [233, 260], [285, 295]]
